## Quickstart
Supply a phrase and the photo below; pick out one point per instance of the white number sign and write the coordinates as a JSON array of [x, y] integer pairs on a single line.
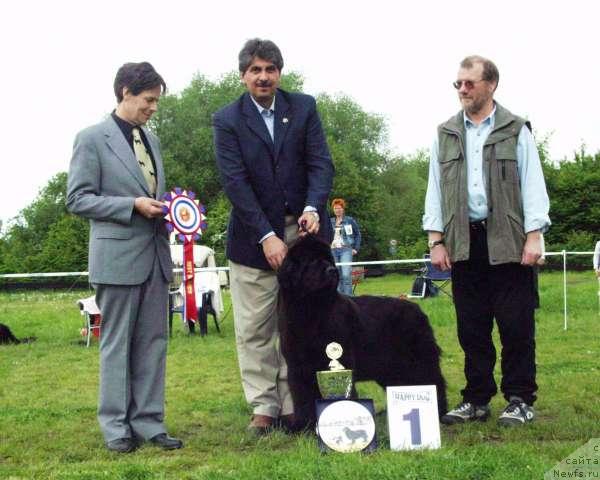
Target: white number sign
[[413, 417]]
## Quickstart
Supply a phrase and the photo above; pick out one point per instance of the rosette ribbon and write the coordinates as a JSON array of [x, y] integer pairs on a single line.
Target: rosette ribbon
[[185, 215]]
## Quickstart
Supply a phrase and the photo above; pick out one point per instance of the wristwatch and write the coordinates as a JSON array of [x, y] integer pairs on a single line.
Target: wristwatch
[[433, 243]]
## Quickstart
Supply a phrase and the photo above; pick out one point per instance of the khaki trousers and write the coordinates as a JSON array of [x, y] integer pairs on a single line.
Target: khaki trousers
[[263, 369]]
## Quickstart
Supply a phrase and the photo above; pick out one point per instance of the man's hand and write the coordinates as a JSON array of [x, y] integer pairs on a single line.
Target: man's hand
[[532, 250], [275, 251], [148, 207], [354, 252], [312, 224], [440, 258]]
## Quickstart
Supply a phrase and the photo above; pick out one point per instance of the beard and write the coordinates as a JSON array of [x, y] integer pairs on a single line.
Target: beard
[[474, 105]]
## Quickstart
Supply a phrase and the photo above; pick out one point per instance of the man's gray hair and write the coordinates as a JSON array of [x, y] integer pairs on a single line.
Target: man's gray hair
[[490, 71], [264, 49]]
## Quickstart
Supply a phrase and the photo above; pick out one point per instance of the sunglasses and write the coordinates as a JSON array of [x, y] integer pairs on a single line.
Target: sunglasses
[[469, 84]]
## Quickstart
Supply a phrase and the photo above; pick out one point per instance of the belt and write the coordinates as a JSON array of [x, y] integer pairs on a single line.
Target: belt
[[478, 225]]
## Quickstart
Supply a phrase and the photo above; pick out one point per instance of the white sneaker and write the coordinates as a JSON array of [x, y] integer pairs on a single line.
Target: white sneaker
[[466, 412], [516, 413]]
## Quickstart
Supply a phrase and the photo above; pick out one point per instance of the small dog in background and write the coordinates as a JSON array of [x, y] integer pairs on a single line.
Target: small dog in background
[[7, 337]]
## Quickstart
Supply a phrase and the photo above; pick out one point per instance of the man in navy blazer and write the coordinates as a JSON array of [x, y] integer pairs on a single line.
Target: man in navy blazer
[[277, 172]]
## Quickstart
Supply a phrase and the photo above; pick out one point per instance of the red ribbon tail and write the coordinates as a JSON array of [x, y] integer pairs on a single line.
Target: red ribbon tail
[[191, 312]]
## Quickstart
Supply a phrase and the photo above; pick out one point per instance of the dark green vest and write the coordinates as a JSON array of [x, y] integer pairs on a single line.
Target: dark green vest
[[505, 232]]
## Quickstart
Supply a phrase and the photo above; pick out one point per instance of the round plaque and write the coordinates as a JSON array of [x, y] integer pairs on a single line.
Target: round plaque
[[346, 426]]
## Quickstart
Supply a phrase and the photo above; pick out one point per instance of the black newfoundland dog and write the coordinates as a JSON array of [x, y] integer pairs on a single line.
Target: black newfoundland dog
[[385, 339]]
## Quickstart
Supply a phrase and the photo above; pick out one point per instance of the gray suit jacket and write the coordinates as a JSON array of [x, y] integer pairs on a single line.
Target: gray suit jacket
[[104, 180]]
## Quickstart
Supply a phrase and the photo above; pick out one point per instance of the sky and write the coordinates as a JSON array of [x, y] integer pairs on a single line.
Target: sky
[[397, 59]]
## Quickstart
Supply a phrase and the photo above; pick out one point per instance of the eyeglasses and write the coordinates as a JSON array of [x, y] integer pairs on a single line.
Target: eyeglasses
[[469, 84]]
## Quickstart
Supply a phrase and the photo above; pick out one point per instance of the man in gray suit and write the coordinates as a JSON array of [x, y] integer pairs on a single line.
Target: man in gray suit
[[115, 178]]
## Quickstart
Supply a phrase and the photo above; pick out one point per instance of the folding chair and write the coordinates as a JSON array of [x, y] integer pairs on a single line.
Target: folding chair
[[430, 281], [207, 286], [93, 319], [439, 278]]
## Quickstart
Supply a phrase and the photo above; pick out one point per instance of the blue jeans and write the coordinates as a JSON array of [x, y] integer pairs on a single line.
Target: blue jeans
[[344, 255]]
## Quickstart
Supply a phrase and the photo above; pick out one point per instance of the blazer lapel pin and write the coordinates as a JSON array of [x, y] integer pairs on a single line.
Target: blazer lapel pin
[[285, 120]]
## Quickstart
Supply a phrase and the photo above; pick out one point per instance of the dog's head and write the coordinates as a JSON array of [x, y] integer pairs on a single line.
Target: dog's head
[[308, 269]]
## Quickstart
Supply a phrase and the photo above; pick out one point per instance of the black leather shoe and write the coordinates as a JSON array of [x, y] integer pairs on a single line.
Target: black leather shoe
[[165, 442], [121, 445]]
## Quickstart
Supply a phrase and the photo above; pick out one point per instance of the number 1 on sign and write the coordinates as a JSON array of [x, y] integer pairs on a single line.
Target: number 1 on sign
[[415, 425]]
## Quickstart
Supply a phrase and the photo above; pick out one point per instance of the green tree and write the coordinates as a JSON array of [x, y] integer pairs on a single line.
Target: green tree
[[4, 248], [574, 204], [403, 184], [27, 234], [356, 141], [65, 248]]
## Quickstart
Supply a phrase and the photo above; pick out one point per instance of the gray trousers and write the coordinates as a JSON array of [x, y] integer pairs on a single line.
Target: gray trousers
[[133, 348], [263, 369]]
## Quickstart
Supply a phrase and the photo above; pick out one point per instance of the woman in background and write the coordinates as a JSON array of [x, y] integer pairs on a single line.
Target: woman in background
[[345, 244]]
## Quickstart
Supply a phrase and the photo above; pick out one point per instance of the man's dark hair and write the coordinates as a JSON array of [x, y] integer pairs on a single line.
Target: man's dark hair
[[137, 77], [490, 71], [264, 49]]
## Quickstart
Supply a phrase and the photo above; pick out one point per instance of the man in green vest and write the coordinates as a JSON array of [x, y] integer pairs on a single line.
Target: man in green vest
[[485, 209]]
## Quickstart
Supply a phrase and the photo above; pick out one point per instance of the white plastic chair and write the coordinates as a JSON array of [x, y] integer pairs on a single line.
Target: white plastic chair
[[91, 312], [204, 283]]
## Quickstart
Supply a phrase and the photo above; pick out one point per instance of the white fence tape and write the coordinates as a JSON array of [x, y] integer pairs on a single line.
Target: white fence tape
[[562, 253]]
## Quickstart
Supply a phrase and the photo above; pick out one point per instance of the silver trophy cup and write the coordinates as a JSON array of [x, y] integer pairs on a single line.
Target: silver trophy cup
[[335, 383]]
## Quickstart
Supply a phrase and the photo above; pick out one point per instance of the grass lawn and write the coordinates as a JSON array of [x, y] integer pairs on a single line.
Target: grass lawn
[[48, 391]]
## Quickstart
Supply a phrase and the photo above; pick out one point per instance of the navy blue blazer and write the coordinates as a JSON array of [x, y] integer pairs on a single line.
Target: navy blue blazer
[[263, 179]]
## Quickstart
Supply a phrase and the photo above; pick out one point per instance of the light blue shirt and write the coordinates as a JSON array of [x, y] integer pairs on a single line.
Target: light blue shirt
[[533, 188], [268, 115]]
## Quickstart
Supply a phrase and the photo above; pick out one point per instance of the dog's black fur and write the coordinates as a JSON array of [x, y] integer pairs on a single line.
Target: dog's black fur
[[7, 337], [384, 339]]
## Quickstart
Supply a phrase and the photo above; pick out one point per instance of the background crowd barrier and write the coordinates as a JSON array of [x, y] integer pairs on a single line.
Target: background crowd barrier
[[563, 253]]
